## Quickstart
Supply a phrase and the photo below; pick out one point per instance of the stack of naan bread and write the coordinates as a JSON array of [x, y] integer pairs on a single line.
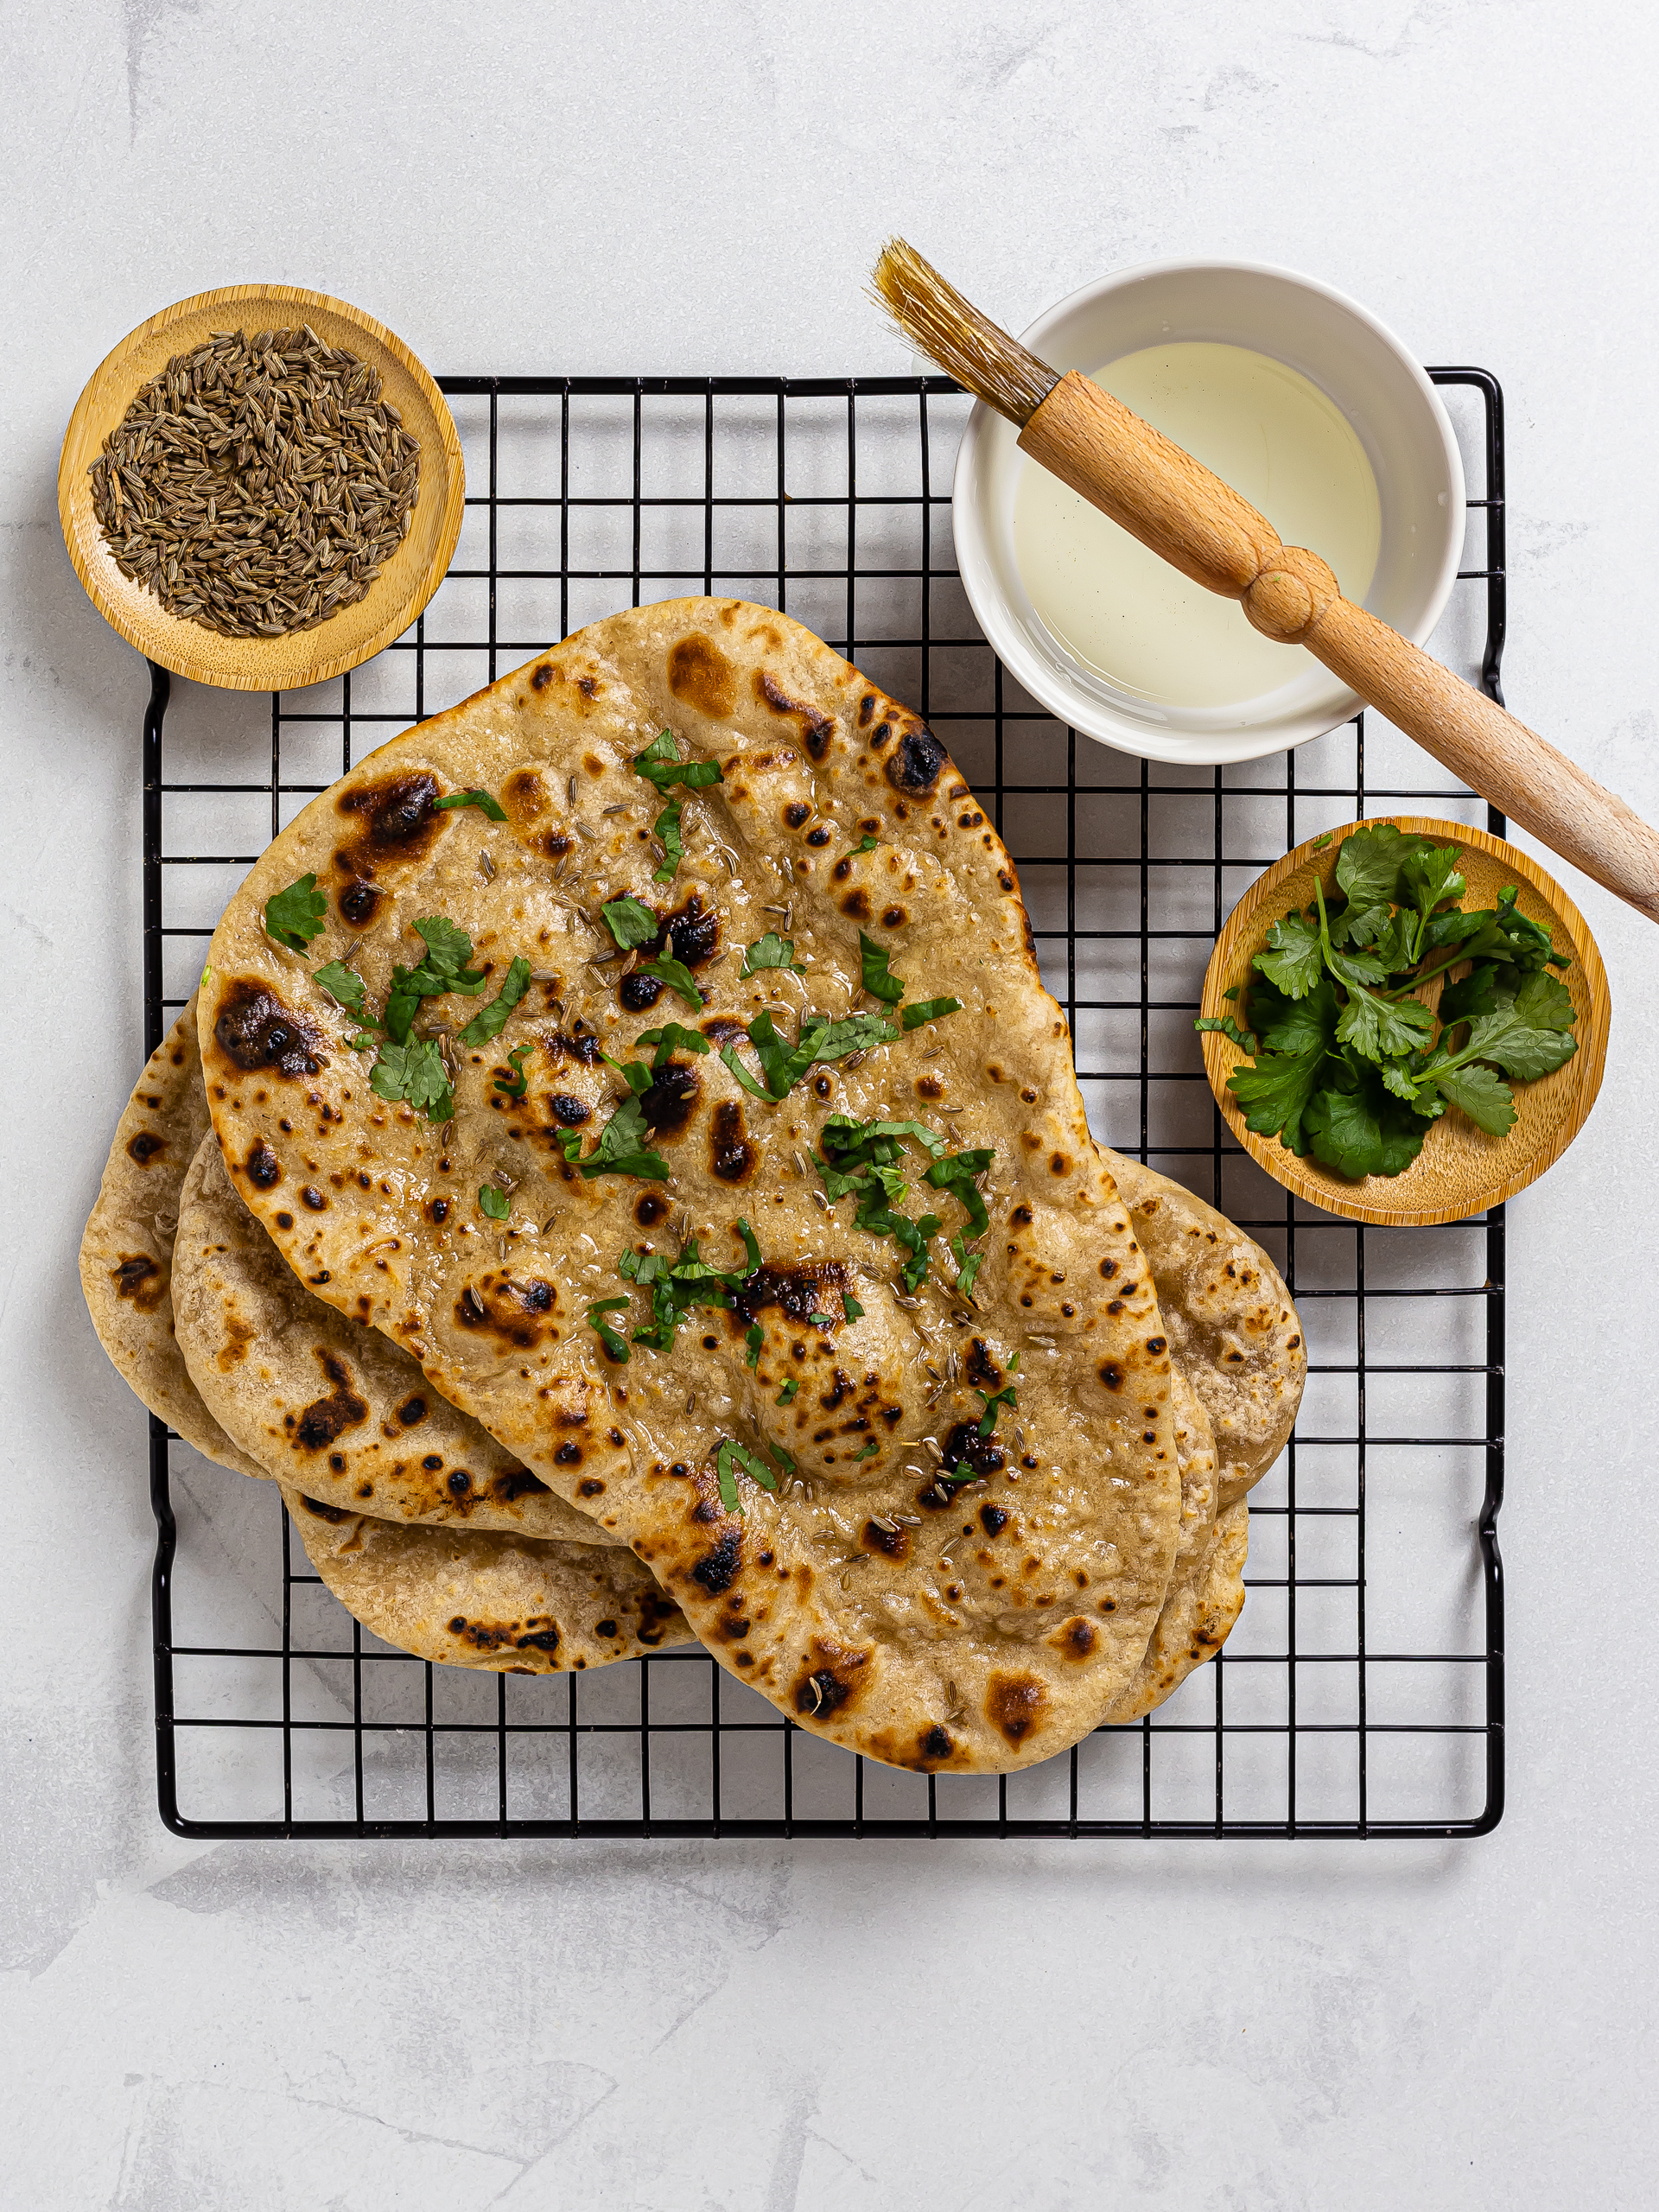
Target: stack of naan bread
[[301, 1276]]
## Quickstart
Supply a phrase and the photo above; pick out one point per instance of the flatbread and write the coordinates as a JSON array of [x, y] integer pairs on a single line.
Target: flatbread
[[1232, 1325], [1198, 1615], [1195, 1448], [977, 1632], [126, 1249], [509, 1604], [325, 1404]]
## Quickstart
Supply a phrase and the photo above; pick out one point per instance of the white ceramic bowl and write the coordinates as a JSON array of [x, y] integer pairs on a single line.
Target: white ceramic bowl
[[1393, 407]]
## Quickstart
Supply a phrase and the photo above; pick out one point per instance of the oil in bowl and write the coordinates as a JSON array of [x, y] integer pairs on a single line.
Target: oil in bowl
[[1117, 608]]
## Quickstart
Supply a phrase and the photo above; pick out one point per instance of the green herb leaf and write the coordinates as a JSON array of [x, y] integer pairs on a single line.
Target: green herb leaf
[[615, 1346], [1526, 1036], [482, 800], [968, 1264], [878, 980], [993, 1400], [851, 1306], [669, 1039], [865, 844], [868, 1451], [926, 1010], [631, 922], [770, 951], [1369, 863], [495, 1202], [1228, 1027], [414, 1072], [1276, 1091], [755, 1090], [490, 1020], [1383, 1029], [676, 975], [787, 1393], [755, 1337], [514, 1085], [729, 1458], [666, 828], [1359, 1129], [621, 1148], [1484, 1097], [1294, 959], [660, 764], [363, 1043], [821, 1320], [293, 916], [344, 985], [448, 955]]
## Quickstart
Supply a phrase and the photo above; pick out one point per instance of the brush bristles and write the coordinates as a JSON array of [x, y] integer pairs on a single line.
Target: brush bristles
[[952, 331]]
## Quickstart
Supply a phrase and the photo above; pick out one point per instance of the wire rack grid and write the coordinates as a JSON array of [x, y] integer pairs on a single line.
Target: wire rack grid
[[1361, 1693]]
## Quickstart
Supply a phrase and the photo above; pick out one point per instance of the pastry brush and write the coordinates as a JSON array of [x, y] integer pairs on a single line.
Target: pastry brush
[[1178, 508]]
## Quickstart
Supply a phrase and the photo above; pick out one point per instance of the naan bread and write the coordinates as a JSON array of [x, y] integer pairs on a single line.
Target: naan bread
[[126, 1250], [977, 1631], [1195, 1448], [1232, 1326], [1198, 1616], [516, 1605], [325, 1404]]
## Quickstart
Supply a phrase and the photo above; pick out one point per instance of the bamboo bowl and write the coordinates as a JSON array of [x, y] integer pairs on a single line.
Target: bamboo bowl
[[350, 635], [1460, 1170]]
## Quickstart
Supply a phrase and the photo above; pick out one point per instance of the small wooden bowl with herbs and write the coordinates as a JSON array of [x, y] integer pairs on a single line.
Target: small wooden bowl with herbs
[[1405, 1021]]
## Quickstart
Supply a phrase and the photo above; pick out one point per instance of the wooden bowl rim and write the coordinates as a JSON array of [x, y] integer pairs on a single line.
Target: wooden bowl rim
[[1221, 1055], [160, 640]]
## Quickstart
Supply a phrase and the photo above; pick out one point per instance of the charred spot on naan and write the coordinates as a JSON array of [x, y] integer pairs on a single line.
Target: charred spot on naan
[[504, 1307], [700, 674], [141, 1278], [817, 728], [731, 1156], [254, 1030], [392, 821], [324, 1420], [530, 814], [831, 1676]]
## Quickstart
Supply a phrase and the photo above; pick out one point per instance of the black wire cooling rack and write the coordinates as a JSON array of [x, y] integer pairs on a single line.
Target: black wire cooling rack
[[1362, 1693]]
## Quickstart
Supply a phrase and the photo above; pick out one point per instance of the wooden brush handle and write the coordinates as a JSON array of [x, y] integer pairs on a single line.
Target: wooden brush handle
[[1185, 513]]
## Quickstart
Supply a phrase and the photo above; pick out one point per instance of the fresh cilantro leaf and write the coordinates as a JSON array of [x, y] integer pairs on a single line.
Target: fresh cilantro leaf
[[1228, 1027], [448, 954], [751, 1247], [878, 980], [865, 844], [787, 1393], [494, 1201], [968, 1264], [1484, 1097], [1294, 959], [926, 1010], [1383, 1029], [868, 1451], [666, 828], [851, 1306], [514, 1085], [821, 1320], [1275, 1090], [755, 1090], [344, 985], [615, 1345], [1357, 1127], [1428, 877], [993, 1400], [755, 1337], [1515, 1040], [1358, 969], [482, 800], [669, 1039], [293, 916], [770, 951], [364, 1043], [621, 1147], [1475, 995], [490, 1020], [729, 1458], [837, 1040], [676, 975], [1369, 862], [634, 1073], [1294, 1025], [631, 922], [1013, 1363], [414, 1072], [660, 764], [956, 1174]]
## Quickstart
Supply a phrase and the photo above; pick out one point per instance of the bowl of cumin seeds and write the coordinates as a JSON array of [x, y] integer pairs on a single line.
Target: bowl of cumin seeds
[[260, 487]]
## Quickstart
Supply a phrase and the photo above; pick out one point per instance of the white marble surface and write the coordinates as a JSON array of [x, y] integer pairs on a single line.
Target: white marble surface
[[759, 2027]]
